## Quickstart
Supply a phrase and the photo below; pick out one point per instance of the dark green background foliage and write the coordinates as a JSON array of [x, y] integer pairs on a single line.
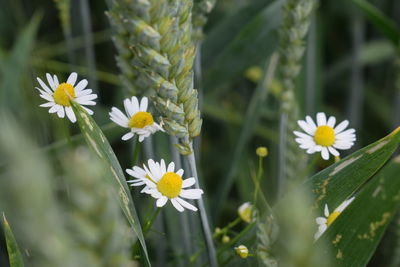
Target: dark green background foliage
[[350, 69]]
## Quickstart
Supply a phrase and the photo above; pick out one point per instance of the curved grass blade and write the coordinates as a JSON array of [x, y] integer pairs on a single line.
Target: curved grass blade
[[14, 254], [356, 233], [99, 144], [339, 181], [384, 24]]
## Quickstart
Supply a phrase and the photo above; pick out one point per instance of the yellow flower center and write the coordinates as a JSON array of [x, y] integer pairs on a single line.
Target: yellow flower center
[[324, 136], [140, 120], [170, 185], [332, 217], [63, 93]]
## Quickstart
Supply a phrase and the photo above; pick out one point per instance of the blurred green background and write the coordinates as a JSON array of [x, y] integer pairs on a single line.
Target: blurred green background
[[350, 70]]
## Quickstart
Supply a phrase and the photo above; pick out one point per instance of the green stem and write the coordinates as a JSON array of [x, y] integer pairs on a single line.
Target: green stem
[[259, 175], [150, 223], [67, 131], [136, 150], [228, 227], [235, 239], [203, 214]]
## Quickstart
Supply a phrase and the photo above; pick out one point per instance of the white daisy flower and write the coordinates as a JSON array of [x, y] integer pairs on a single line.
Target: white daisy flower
[[165, 184], [325, 222], [324, 137], [138, 120], [59, 95]]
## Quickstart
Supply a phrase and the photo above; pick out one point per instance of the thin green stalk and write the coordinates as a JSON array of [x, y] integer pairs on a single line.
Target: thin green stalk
[[227, 228], [311, 70], [250, 123], [136, 150], [258, 179], [186, 227], [150, 223], [159, 223], [199, 86], [356, 99], [88, 39], [282, 153], [396, 117], [235, 239], [203, 214], [67, 131]]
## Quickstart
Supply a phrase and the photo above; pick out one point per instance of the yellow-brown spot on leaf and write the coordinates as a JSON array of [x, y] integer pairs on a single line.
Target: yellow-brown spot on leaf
[[339, 255], [337, 239]]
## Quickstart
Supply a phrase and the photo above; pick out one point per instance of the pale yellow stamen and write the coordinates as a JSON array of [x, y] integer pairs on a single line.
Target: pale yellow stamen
[[324, 136], [332, 217], [140, 120], [170, 185], [63, 93]]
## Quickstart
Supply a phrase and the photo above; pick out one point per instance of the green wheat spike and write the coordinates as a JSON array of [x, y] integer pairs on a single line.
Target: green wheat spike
[[296, 21], [201, 8], [160, 59]]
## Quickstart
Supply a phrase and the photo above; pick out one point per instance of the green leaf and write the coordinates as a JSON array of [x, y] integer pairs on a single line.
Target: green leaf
[[99, 144], [384, 24], [356, 233], [14, 254], [336, 183]]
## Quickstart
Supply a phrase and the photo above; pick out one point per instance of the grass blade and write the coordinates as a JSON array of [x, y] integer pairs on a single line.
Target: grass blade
[[14, 254], [380, 20], [251, 119], [99, 144], [336, 183], [357, 231]]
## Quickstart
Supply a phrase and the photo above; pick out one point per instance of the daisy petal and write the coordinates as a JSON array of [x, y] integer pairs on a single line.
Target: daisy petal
[[331, 121], [191, 193], [171, 167], [186, 204], [135, 104], [321, 118], [161, 201], [188, 182], [127, 136], [72, 78], [143, 104], [307, 128], [50, 81], [177, 205], [61, 113], [81, 85], [70, 114], [325, 153], [341, 126], [44, 86], [333, 151]]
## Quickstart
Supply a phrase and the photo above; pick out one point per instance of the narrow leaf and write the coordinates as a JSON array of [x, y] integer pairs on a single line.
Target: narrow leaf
[[356, 233], [339, 181], [14, 254], [99, 144], [384, 24]]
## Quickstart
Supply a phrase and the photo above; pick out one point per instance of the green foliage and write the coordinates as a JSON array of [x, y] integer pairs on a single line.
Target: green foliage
[[14, 254], [99, 145], [157, 37], [356, 233], [339, 181], [387, 26]]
